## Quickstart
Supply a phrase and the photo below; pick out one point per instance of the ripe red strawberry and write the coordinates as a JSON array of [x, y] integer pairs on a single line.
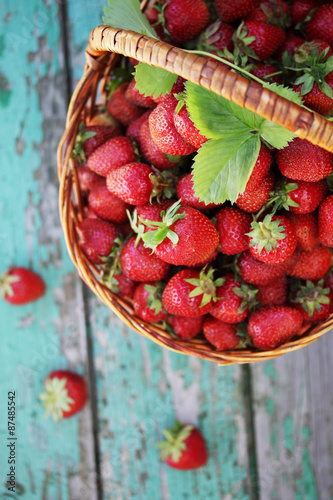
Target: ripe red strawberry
[[190, 293], [20, 286], [152, 211], [232, 225], [258, 273], [217, 35], [311, 264], [139, 264], [147, 302], [253, 201], [271, 11], [185, 19], [301, 160], [132, 183], [123, 285], [185, 328], [209, 259], [300, 9], [151, 152], [107, 206], [164, 132], [308, 195], [186, 128], [264, 70], [325, 221], [306, 229], [268, 38], [88, 179], [321, 24], [270, 327], [66, 394], [314, 301], [121, 108], [134, 129], [134, 96], [221, 335], [230, 12], [290, 46], [99, 117], [186, 193], [235, 299], [111, 155], [184, 448], [97, 238], [273, 240], [91, 137], [316, 99], [260, 169], [273, 294]]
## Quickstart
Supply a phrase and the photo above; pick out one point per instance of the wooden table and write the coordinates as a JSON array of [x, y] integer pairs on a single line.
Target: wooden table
[[268, 426]]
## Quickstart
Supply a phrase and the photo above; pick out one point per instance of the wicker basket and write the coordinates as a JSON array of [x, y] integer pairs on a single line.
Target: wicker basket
[[104, 45]]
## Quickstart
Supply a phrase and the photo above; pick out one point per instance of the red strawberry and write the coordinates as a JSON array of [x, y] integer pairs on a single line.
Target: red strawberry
[[260, 169], [253, 201], [190, 293], [300, 9], [311, 264], [97, 238], [184, 448], [186, 193], [107, 206], [321, 24], [308, 195], [325, 221], [139, 264], [151, 152], [223, 336], [19, 286], [291, 44], [306, 229], [301, 160], [258, 273], [264, 70], [66, 394], [230, 12], [186, 128], [268, 38], [235, 298], [270, 327], [185, 328], [132, 183], [123, 285], [185, 19], [134, 96], [217, 35], [111, 155], [147, 302], [152, 211], [271, 11], [91, 137], [134, 129], [99, 118], [163, 130], [314, 301], [121, 108], [209, 259], [88, 179], [273, 294], [232, 225], [316, 99]]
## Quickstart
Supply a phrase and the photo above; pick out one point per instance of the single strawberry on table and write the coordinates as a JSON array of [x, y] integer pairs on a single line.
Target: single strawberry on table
[[20, 285]]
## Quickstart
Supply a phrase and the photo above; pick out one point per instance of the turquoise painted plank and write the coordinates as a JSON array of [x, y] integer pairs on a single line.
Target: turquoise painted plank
[[53, 460]]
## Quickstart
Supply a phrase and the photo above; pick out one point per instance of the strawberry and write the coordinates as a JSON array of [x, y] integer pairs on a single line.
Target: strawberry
[[133, 183], [177, 88], [66, 394], [306, 229], [258, 273], [313, 300], [274, 293], [321, 24], [221, 335], [100, 116], [185, 19], [184, 327], [123, 285], [121, 108], [230, 12], [184, 448], [147, 302], [20, 286], [164, 132], [111, 155], [186, 128], [315, 85], [300, 9], [232, 225], [133, 131], [107, 206], [91, 137], [209, 259], [301, 160], [152, 211], [263, 71], [97, 238], [260, 169], [266, 38], [139, 264], [290, 46], [88, 179], [325, 221], [253, 201], [186, 193], [134, 96], [273, 240], [190, 293], [270, 327], [307, 195], [151, 152], [234, 299], [311, 264], [217, 35], [271, 11]]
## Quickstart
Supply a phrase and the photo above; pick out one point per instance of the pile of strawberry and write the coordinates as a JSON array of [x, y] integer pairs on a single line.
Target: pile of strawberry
[[255, 271]]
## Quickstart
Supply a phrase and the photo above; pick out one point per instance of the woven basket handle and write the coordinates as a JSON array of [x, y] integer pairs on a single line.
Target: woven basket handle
[[213, 76]]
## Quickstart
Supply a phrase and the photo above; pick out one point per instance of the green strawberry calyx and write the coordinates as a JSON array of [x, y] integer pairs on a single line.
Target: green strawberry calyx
[[265, 234], [315, 67], [6, 281], [55, 399], [312, 296], [154, 298], [82, 135], [206, 286], [248, 294], [174, 446]]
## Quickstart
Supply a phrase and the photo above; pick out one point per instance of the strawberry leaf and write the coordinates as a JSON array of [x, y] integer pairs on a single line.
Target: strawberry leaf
[[285, 92], [127, 15], [222, 167], [153, 81], [274, 134]]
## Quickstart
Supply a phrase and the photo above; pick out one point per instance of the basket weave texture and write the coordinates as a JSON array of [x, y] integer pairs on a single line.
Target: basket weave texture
[[104, 45]]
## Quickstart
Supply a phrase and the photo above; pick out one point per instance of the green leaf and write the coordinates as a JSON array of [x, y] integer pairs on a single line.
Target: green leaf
[[128, 16], [285, 92], [275, 135], [153, 81], [222, 167]]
